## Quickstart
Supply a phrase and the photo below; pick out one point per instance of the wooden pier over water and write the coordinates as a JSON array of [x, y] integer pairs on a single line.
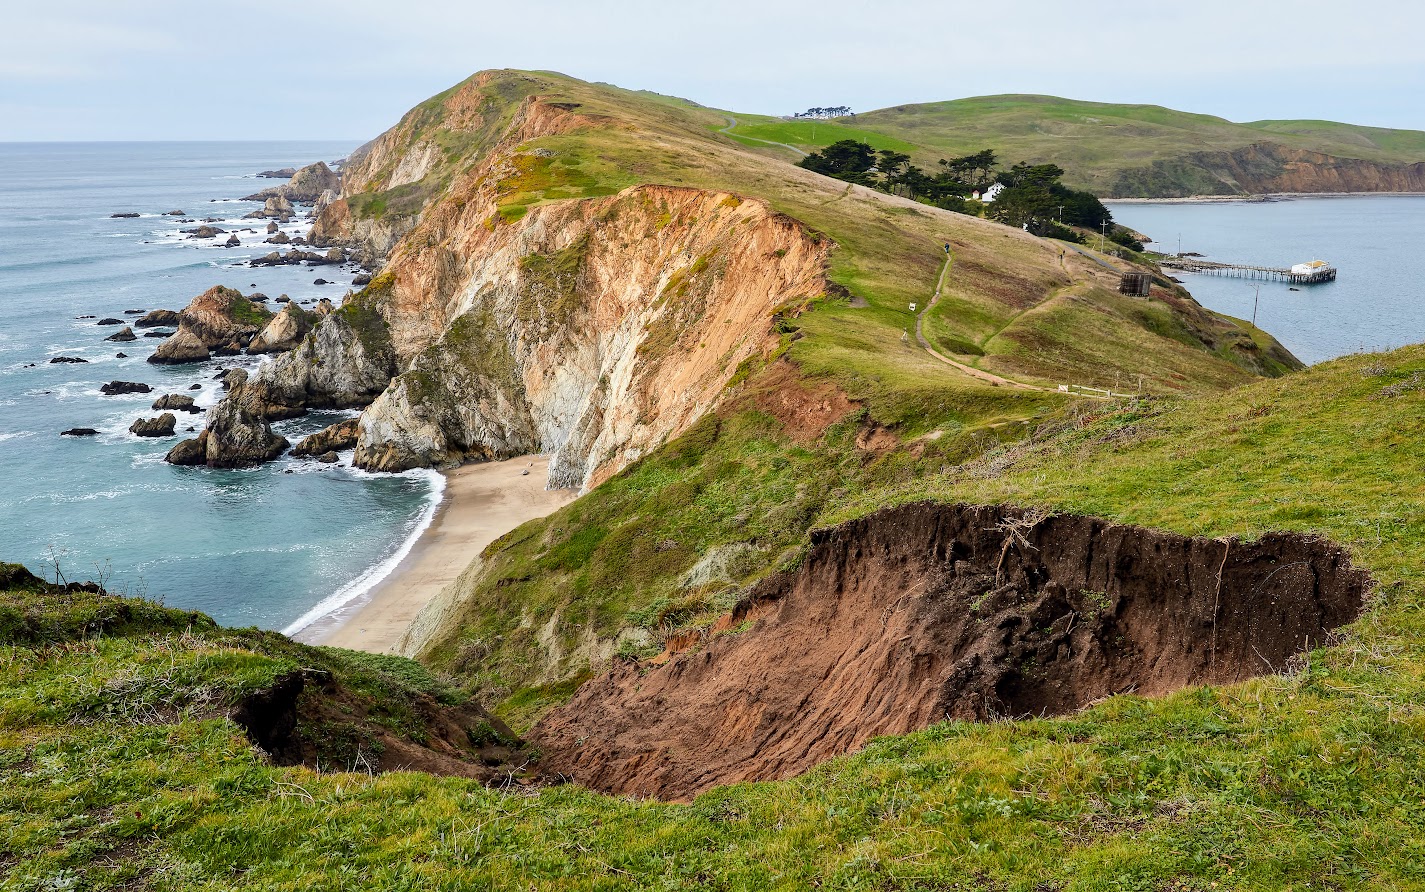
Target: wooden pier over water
[[1247, 271]]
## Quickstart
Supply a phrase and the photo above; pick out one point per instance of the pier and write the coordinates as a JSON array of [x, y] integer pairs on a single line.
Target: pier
[[1316, 273]]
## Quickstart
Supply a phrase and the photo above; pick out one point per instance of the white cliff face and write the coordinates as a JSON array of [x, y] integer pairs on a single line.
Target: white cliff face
[[592, 330]]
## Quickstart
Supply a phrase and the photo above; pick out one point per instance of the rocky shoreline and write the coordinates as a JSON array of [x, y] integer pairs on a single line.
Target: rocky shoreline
[[223, 322]]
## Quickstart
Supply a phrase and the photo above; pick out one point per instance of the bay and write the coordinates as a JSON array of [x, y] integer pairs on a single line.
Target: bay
[[1377, 242]]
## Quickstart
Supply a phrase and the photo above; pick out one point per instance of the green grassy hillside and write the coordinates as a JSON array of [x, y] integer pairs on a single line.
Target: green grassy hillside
[[121, 765], [118, 769], [1011, 304], [1106, 148]]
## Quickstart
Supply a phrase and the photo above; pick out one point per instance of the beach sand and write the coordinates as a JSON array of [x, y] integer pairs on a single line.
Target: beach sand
[[481, 503]]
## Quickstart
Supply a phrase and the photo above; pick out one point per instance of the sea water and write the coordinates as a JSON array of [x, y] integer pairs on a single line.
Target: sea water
[[1377, 242], [273, 546]]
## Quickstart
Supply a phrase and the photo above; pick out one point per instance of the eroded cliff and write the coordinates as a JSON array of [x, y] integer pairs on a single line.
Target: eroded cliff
[[592, 329], [922, 613], [589, 329], [1266, 168]]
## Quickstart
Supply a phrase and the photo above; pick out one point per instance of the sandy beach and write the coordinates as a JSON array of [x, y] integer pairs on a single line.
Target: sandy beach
[[481, 503]]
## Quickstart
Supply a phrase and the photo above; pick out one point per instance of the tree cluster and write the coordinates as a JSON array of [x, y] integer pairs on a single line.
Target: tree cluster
[[1033, 195], [831, 111]]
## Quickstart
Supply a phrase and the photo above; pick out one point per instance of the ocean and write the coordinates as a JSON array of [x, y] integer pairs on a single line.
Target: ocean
[[275, 546], [1377, 242]]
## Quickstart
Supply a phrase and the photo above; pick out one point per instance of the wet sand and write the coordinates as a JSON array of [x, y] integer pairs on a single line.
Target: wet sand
[[481, 503]]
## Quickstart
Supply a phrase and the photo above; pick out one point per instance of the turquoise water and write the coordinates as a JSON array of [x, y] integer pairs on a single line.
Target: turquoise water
[[252, 547], [1377, 243]]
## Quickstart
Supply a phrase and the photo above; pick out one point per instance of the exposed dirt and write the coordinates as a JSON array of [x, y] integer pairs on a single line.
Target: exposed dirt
[[306, 718], [926, 612], [805, 407]]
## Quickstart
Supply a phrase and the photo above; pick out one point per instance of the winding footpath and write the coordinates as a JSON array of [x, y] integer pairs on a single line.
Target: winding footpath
[[973, 372], [732, 122]]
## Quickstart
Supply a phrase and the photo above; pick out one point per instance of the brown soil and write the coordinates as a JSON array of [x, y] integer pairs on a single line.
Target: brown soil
[[806, 407], [306, 718], [926, 612]]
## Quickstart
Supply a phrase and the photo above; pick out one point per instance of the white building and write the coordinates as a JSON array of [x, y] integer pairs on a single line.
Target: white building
[[992, 193]]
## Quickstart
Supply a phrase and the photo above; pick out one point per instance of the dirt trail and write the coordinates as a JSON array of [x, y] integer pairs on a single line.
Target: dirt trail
[[732, 122], [923, 613], [980, 374]]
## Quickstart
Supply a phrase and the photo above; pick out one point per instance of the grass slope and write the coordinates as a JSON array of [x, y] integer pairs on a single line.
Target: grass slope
[[1305, 780], [1096, 142], [1035, 312]]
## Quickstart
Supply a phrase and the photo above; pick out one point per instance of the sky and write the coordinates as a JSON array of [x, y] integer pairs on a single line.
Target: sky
[[320, 69]]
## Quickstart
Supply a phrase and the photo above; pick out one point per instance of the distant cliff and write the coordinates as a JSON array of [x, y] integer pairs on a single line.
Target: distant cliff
[[1264, 168]]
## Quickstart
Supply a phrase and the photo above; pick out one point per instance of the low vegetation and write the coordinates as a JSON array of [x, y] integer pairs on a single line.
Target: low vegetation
[[122, 764], [1302, 780], [1112, 150]]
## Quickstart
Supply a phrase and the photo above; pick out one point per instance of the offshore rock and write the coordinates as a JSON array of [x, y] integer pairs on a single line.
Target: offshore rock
[[189, 452], [175, 402], [341, 435], [236, 438], [117, 388], [182, 347], [124, 334], [219, 321], [162, 426], [307, 185], [157, 319]]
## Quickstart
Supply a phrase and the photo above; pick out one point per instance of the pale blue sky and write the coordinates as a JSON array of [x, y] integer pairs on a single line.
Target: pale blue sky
[[163, 69]]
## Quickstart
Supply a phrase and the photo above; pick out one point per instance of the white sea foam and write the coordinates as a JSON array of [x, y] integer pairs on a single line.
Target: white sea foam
[[375, 574]]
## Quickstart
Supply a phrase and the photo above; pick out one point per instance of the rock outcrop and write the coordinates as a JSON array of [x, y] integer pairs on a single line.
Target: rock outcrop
[[306, 185], [162, 426], [157, 319], [220, 320], [341, 435], [344, 363], [284, 332], [189, 452], [183, 347], [234, 437], [123, 334], [118, 388], [275, 208], [175, 402]]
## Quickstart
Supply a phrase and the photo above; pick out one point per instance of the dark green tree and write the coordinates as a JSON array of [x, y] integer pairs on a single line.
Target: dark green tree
[[846, 159]]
